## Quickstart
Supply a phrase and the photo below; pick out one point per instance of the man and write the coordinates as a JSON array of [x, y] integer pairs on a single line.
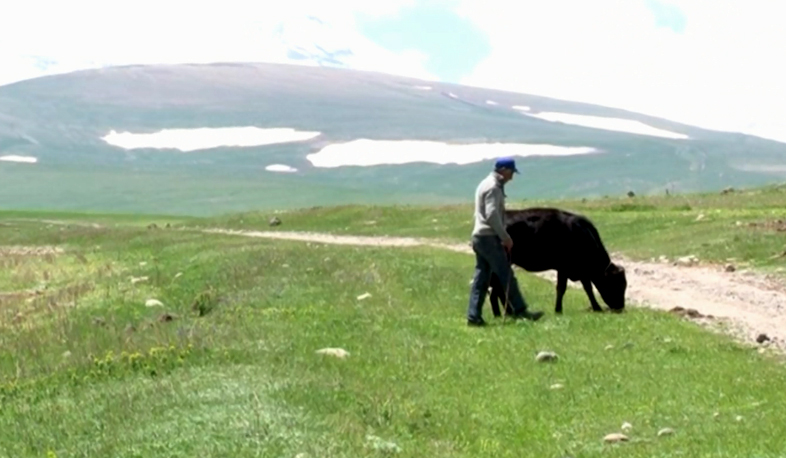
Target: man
[[491, 244]]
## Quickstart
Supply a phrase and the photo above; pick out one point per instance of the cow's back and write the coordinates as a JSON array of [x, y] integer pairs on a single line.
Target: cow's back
[[550, 238]]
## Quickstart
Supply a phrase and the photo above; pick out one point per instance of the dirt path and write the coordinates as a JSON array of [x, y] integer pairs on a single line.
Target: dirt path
[[743, 304]]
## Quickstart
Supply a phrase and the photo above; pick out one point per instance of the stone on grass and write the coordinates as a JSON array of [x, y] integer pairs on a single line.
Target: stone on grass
[[626, 427], [689, 260], [153, 303], [337, 352], [381, 445], [364, 296], [665, 432], [615, 437], [545, 356]]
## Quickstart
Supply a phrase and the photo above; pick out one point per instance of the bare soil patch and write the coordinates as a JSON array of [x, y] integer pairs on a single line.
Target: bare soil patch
[[778, 225], [21, 250]]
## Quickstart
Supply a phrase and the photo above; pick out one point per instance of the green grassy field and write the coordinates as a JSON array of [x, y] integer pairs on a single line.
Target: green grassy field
[[743, 225], [227, 365]]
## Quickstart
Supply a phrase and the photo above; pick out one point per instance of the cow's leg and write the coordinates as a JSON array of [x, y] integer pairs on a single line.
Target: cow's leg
[[562, 285], [587, 284]]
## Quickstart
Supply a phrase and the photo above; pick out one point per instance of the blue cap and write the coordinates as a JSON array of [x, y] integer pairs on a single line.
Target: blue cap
[[506, 163]]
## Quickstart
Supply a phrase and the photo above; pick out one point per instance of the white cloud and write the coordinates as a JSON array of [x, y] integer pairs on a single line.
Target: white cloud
[[723, 72], [91, 33]]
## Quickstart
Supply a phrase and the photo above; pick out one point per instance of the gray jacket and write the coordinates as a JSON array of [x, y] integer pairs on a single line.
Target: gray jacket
[[490, 207]]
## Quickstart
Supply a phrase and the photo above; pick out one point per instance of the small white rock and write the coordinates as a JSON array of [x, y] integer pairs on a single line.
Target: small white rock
[[689, 260], [557, 386], [364, 296], [665, 431], [615, 437], [626, 427], [337, 352], [546, 356], [153, 303]]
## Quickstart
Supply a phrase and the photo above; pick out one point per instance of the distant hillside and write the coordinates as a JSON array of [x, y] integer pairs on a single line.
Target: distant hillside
[[61, 120]]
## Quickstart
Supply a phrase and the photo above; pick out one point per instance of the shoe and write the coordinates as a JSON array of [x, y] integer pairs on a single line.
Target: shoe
[[476, 322], [534, 316]]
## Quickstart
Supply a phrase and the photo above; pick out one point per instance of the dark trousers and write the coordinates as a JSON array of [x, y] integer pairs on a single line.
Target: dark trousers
[[490, 257]]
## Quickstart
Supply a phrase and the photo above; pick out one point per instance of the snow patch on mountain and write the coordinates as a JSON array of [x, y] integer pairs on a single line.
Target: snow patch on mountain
[[16, 158], [365, 152], [606, 123], [207, 138]]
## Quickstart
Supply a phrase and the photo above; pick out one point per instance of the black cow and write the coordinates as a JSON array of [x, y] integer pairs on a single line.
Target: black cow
[[551, 238]]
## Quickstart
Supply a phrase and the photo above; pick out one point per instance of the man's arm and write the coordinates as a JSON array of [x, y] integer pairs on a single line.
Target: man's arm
[[492, 200]]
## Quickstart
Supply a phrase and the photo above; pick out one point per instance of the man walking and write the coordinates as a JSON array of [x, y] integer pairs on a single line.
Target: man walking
[[491, 244]]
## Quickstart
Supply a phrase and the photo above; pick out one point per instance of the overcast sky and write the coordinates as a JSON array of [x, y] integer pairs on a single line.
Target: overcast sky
[[712, 63]]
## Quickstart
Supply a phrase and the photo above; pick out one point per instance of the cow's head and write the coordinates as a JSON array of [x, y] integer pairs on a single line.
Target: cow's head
[[612, 285]]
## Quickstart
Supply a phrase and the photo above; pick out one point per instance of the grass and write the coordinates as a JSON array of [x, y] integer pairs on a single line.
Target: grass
[[228, 365]]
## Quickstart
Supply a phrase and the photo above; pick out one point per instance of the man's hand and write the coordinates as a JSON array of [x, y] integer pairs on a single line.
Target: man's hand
[[508, 244]]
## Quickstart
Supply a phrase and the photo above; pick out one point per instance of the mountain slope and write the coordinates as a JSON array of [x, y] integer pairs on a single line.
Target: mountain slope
[[61, 120]]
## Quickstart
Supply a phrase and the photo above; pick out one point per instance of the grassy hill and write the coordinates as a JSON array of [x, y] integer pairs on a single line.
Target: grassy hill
[[60, 120], [227, 363]]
